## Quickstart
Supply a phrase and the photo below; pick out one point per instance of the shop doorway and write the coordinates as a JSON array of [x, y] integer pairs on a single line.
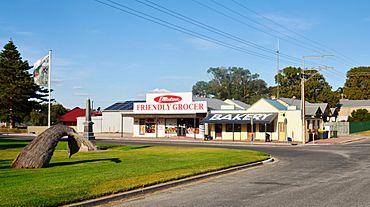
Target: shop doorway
[[186, 126], [282, 130], [218, 130]]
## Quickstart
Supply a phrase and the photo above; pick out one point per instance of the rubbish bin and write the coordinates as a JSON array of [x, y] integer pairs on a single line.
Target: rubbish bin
[[321, 135], [267, 138], [326, 134], [335, 133]]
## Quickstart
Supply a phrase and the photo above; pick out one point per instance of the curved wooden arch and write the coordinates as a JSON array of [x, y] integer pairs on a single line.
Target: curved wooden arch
[[38, 153]]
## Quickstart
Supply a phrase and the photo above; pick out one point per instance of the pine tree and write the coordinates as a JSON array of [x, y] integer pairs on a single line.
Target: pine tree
[[18, 92]]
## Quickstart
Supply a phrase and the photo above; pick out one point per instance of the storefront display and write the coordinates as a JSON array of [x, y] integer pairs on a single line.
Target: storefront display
[[169, 114]]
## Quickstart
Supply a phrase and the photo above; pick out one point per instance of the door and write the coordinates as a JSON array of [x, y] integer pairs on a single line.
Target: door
[[218, 130], [282, 130]]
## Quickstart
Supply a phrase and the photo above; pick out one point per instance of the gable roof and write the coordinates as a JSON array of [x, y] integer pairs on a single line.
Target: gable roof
[[293, 102], [312, 110], [297, 102], [71, 116], [238, 104], [276, 104], [267, 105]]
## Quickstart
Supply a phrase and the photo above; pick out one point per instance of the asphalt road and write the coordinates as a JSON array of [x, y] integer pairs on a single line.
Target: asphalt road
[[335, 175]]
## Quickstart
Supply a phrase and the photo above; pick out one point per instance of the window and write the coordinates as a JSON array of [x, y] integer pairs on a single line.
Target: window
[[237, 128], [249, 128], [269, 127]]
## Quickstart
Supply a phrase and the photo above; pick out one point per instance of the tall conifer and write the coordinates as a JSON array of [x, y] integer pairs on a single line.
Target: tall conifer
[[18, 92]]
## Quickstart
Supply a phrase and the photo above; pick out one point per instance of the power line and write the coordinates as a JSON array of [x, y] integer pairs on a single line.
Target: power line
[[172, 26], [210, 28], [292, 31]]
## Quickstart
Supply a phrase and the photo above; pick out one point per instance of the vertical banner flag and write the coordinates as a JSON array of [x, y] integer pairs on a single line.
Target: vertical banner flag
[[41, 71]]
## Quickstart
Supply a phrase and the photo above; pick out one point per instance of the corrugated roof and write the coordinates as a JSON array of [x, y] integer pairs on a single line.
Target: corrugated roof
[[276, 104], [212, 103], [312, 110], [241, 104], [354, 103], [293, 102], [297, 103], [71, 116]]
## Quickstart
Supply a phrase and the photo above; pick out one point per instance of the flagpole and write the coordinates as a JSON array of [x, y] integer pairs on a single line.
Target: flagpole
[[49, 87]]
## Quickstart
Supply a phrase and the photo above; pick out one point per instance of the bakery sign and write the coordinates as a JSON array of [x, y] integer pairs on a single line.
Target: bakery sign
[[170, 103], [240, 118]]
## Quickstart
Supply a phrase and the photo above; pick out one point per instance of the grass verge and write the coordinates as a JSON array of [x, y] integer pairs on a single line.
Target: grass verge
[[115, 169]]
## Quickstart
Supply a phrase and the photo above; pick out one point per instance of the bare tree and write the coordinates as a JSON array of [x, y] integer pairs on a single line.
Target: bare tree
[[38, 153]]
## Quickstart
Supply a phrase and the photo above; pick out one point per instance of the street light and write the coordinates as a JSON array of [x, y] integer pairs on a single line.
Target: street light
[[303, 105]]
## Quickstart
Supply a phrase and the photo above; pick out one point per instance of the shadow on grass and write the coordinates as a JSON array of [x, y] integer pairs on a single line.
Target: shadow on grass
[[115, 160], [5, 164], [122, 147], [10, 144]]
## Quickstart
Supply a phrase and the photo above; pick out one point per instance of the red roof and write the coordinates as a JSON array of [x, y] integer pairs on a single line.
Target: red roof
[[72, 115]]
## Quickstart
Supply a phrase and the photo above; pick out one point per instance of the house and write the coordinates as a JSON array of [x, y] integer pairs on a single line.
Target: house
[[346, 107], [70, 118]]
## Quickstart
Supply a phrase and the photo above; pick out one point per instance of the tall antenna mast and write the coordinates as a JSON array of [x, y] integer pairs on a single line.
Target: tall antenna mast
[[277, 67]]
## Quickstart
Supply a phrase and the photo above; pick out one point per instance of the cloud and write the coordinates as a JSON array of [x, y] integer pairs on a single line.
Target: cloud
[[202, 44], [159, 90]]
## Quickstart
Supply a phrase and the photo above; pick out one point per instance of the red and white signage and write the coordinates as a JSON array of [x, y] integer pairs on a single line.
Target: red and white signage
[[170, 103], [167, 99]]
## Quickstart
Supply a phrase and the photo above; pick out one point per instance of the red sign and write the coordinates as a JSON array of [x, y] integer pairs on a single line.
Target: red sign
[[167, 99]]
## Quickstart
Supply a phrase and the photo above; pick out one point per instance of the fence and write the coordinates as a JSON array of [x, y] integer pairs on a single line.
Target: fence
[[341, 127], [359, 126]]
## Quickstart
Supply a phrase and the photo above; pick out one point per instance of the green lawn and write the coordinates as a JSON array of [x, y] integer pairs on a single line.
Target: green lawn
[[114, 169]]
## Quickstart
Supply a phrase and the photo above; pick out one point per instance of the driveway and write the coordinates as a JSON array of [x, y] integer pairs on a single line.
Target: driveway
[[327, 175]]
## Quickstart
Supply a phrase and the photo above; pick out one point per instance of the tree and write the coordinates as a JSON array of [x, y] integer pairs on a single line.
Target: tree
[[18, 92], [357, 84], [317, 89], [201, 89], [359, 115], [39, 114], [233, 82]]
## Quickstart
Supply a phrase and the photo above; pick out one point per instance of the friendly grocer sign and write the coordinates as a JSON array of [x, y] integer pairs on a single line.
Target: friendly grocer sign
[[170, 103]]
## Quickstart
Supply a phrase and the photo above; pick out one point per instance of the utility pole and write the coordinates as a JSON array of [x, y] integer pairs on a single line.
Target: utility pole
[[303, 104], [303, 113]]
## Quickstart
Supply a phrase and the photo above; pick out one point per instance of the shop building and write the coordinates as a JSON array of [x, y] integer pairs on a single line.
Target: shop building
[[265, 120], [168, 115]]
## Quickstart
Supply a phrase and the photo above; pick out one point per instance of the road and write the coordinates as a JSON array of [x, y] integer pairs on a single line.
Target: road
[[331, 175]]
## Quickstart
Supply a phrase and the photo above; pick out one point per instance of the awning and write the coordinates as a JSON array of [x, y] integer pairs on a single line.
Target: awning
[[244, 118]]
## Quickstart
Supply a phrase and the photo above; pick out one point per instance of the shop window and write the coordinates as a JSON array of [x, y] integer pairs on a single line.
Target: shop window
[[237, 128], [269, 127], [171, 126], [249, 128], [142, 126], [188, 124], [150, 126]]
